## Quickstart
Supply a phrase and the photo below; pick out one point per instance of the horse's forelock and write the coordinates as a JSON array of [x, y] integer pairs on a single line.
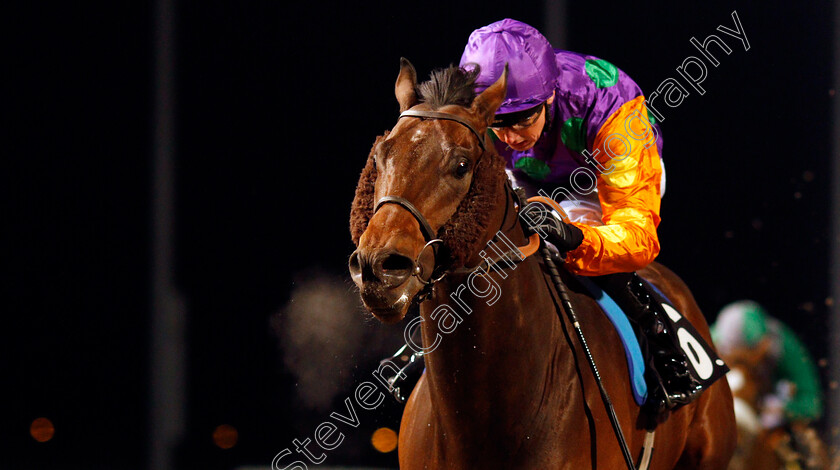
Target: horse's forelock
[[452, 85]]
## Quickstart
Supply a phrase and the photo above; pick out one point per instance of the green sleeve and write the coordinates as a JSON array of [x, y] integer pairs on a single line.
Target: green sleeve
[[796, 365]]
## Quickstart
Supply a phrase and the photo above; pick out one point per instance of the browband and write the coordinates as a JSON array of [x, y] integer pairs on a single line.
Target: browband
[[446, 116]]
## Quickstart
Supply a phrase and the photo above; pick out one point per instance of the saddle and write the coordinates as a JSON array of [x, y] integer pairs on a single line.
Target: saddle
[[703, 364]]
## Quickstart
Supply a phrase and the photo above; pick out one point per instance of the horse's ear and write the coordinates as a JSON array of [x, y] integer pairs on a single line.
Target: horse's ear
[[488, 101], [406, 86]]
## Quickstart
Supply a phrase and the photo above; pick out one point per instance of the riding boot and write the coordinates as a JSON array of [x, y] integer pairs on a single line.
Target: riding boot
[[672, 384]]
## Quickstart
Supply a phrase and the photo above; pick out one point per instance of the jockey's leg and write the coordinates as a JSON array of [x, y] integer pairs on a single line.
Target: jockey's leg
[[672, 385]]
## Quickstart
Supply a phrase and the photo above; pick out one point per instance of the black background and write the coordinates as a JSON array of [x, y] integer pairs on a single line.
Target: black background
[[277, 106]]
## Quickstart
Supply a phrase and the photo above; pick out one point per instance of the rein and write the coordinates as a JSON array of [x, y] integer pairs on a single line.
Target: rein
[[567, 307]]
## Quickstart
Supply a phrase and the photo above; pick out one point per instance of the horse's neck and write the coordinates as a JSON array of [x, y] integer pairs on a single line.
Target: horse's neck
[[498, 342]]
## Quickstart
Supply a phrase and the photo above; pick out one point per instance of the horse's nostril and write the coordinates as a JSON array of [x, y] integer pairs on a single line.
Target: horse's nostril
[[395, 263], [354, 264], [360, 270], [393, 268]]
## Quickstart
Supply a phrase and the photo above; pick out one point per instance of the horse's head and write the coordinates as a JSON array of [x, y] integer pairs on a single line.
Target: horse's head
[[750, 375], [427, 189]]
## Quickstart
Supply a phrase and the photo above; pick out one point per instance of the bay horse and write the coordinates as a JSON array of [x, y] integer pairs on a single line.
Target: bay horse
[[506, 386]]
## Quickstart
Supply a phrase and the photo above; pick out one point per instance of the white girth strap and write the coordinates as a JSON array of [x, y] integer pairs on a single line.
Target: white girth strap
[[647, 451]]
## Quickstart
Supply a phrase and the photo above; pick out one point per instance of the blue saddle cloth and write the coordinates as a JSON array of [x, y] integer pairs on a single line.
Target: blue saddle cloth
[[635, 360]]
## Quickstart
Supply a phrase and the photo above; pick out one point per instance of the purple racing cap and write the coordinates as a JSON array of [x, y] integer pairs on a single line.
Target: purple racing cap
[[532, 67]]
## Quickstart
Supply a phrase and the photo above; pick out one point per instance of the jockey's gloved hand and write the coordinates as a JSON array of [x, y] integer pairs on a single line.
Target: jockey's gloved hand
[[566, 237]]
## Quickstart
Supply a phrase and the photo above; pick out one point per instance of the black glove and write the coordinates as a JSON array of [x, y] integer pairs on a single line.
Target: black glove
[[566, 237]]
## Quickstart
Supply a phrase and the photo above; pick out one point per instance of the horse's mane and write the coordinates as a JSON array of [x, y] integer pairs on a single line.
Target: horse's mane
[[461, 235]]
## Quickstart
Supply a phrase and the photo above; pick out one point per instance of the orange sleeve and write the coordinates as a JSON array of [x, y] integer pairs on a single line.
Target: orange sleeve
[[628, 188]]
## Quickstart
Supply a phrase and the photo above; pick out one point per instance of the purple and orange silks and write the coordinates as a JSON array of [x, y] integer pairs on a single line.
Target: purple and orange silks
[[598, 115]]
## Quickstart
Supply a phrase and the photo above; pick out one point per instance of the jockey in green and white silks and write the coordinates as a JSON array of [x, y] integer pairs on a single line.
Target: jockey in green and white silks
[[795, 394]]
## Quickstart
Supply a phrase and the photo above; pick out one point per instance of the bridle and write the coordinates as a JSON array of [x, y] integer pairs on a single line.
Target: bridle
[[439, 271]]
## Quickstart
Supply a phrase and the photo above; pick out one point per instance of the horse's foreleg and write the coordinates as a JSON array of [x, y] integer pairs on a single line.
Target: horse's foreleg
[[416, 436]]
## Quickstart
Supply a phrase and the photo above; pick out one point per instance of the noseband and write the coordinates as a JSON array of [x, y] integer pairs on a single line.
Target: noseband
[[428, 235]]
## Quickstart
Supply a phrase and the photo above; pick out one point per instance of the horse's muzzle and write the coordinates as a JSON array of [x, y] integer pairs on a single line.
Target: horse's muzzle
[[386, 282]]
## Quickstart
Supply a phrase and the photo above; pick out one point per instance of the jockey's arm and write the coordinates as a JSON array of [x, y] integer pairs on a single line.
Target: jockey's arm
[[628, 183], [796, 366]]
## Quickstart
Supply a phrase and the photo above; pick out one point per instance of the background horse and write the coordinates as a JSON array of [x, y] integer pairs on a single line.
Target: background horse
[[758, 448], [506, 385]]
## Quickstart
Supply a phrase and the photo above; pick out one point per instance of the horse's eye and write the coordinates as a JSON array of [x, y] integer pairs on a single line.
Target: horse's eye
[[462, 169]]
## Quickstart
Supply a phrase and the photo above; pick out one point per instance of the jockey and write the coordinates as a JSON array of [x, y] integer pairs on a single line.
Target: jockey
[[577, 126], [792, 398], [795, 394]]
